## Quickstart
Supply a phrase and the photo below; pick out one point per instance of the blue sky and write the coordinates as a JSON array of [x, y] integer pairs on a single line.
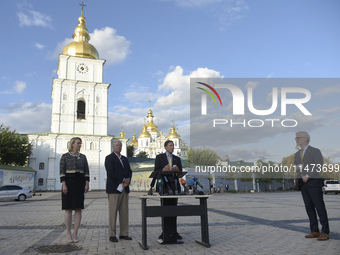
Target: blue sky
[[153, 47]]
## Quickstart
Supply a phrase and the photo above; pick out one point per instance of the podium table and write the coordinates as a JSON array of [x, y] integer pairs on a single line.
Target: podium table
[[178, 210]]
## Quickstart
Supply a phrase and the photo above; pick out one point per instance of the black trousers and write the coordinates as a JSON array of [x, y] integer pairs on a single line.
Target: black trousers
[[169, 224], [313, 199]]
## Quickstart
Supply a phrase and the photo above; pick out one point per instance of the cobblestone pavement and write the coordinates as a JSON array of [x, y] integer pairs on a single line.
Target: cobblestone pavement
[[242, 223]]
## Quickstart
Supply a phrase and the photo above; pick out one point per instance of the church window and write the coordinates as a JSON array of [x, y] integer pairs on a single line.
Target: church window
[[40, 181], [64, 96], [41, 166], [146, 144], [98, 99], [81, 110], [91, 146]]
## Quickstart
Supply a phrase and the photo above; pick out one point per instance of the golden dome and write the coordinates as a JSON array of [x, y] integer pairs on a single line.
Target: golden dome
[[173, 134], [144, 133], [122, 134], [150, 113], [134, 142], [152, 127], [80, 46]]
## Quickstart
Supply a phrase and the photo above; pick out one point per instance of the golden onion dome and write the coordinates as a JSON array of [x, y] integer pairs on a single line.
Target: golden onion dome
[[144, 133], [173, 134], [150, 113], [152, 127], [122, 134], [134, 142], [80, 46]]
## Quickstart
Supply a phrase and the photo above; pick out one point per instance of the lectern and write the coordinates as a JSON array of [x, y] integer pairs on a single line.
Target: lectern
[[168, 186]]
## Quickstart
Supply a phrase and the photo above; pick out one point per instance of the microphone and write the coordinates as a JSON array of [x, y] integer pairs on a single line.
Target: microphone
[[197, 182]]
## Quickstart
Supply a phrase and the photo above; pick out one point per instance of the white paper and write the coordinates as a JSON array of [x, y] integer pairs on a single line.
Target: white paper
[[120, 187]]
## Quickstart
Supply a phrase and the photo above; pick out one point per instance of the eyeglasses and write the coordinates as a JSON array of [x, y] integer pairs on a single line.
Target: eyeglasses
[[297, 138]]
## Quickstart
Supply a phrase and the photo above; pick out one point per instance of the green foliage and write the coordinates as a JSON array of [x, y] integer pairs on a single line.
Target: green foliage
[[130, 151], [202, 156], [14, 148], [142, 154]]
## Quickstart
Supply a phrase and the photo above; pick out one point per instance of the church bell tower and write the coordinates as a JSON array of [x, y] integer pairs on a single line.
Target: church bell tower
[[79, 94]]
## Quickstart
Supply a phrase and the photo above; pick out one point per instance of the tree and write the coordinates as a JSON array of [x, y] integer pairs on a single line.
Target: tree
[[130, 151], [14, 148], [203, 156], [142, 154]]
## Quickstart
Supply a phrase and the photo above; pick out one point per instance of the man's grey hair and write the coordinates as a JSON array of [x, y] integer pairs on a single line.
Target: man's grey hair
[[117, 141], [304, 134]]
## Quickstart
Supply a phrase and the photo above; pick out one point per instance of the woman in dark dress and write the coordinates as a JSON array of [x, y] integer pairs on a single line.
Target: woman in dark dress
[[74, 176]]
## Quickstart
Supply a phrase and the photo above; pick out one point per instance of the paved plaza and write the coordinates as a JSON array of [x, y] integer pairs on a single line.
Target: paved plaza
[[241, 223]]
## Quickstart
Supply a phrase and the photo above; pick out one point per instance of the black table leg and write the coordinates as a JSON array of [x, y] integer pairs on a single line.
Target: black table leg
[[204, 224], [144, 244]]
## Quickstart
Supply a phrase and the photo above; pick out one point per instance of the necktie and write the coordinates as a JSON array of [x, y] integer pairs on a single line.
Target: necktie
[[170, 160], [301, 154]]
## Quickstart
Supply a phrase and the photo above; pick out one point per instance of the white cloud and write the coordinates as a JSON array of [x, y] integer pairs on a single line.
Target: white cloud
[[39, 46], [170, 102], [18, 88], [110, 46], [27, 117], [33, 18], [328, 90], [226, 11], [179, 86], [252, 84]]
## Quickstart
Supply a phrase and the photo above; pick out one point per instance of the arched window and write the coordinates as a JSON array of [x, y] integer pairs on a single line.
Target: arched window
[[91, 146], [41, 166], [64, 96], [98, 99], [81, 110]]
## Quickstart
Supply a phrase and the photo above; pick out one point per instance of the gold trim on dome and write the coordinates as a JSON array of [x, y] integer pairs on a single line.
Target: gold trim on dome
[[173, 133], [122, 134], [152, 127], [134, 142], [144, 133], [80, 46]]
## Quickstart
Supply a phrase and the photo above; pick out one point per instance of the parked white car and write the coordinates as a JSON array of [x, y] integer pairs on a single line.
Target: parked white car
[[331, 186], [15, 192]]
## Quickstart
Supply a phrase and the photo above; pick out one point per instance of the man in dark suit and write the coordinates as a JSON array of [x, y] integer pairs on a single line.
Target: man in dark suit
[[308, 162], [117, 188], [166, 162]]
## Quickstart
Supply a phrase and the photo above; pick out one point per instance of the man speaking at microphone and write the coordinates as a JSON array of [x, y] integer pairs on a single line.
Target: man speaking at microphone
[[166, 162]]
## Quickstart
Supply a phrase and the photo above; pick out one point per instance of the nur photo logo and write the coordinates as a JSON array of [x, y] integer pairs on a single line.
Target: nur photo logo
[[280, 99]]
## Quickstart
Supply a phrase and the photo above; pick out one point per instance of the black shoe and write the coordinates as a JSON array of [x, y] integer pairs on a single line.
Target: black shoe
[[125, 237], [161, 236], [113, 239]]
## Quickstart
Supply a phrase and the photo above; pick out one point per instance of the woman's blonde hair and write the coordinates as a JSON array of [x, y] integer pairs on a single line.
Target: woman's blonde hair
[[71, 142]]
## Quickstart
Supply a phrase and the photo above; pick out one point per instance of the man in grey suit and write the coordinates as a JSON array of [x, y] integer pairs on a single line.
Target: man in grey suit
[[117, 188], [308, 162]]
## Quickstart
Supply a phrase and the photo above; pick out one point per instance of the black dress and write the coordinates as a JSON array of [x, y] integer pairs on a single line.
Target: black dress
[[74, 170]]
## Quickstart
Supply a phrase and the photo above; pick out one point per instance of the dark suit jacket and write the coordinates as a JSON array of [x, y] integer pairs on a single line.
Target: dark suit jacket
[[312, 158], [116, 173], [162, 160]]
